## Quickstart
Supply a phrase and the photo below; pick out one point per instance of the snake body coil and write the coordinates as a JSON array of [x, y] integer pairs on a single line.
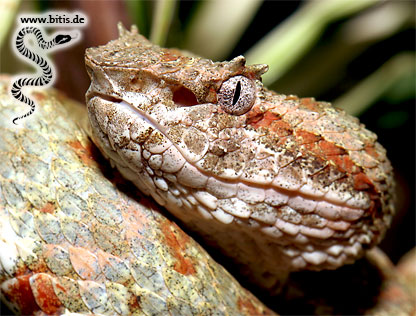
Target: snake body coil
[[47, 73]]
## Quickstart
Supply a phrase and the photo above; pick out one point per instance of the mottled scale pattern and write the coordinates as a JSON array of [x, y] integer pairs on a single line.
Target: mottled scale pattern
[[72, 242], [292, 184]]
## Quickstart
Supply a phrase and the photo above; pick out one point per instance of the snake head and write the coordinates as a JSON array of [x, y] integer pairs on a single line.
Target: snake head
[[278, 183], [62, 38]]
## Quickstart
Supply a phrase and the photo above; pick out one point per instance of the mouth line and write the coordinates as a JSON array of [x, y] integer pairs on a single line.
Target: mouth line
[[124, 104], [163, 130]]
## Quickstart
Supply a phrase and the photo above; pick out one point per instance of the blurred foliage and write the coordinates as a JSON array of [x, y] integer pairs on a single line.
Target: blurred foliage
[[392, 79], [8, 10], [162, 19], [217, 25], [328, 33], [290, 40]]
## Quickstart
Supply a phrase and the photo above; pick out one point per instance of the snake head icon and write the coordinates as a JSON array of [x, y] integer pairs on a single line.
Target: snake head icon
[[62, 39]]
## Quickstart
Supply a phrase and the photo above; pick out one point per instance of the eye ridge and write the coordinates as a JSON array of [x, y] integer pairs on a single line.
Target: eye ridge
[[237, 92]]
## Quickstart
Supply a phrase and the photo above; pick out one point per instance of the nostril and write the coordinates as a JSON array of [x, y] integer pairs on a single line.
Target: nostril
[[183, 96]]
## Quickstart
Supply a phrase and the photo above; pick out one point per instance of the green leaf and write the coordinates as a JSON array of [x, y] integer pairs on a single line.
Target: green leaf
[[217, 26], [139, 12], [162, 19], [358, 99], [285, 44]]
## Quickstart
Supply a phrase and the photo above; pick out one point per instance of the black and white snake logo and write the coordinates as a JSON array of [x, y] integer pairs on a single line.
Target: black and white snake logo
[[46, 70]]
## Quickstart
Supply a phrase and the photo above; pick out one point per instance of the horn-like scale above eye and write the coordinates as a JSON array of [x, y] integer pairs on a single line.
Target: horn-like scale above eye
[[236, 95]]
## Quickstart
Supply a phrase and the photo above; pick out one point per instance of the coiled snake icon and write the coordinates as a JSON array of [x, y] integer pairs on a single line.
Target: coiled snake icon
[[47, 73]]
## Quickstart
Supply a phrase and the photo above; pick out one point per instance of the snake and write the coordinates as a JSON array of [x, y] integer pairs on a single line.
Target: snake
[[277, 183], [47, 73], [75, 240]]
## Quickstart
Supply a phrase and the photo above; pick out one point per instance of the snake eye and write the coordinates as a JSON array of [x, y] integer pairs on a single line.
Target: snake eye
[[236, 95]]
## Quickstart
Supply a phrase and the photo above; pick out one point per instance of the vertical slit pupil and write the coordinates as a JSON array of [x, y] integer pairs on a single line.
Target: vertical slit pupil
[[237, 92]]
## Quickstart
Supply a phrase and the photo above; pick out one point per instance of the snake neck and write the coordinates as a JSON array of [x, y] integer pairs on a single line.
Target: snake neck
[[33, 30], [46, 76], [46, 70]]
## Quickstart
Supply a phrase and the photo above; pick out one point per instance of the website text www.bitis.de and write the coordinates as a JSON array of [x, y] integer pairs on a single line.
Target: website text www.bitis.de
[[55, 18]]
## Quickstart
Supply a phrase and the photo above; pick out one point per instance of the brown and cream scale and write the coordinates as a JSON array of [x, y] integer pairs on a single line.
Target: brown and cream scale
[[278, 183]]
